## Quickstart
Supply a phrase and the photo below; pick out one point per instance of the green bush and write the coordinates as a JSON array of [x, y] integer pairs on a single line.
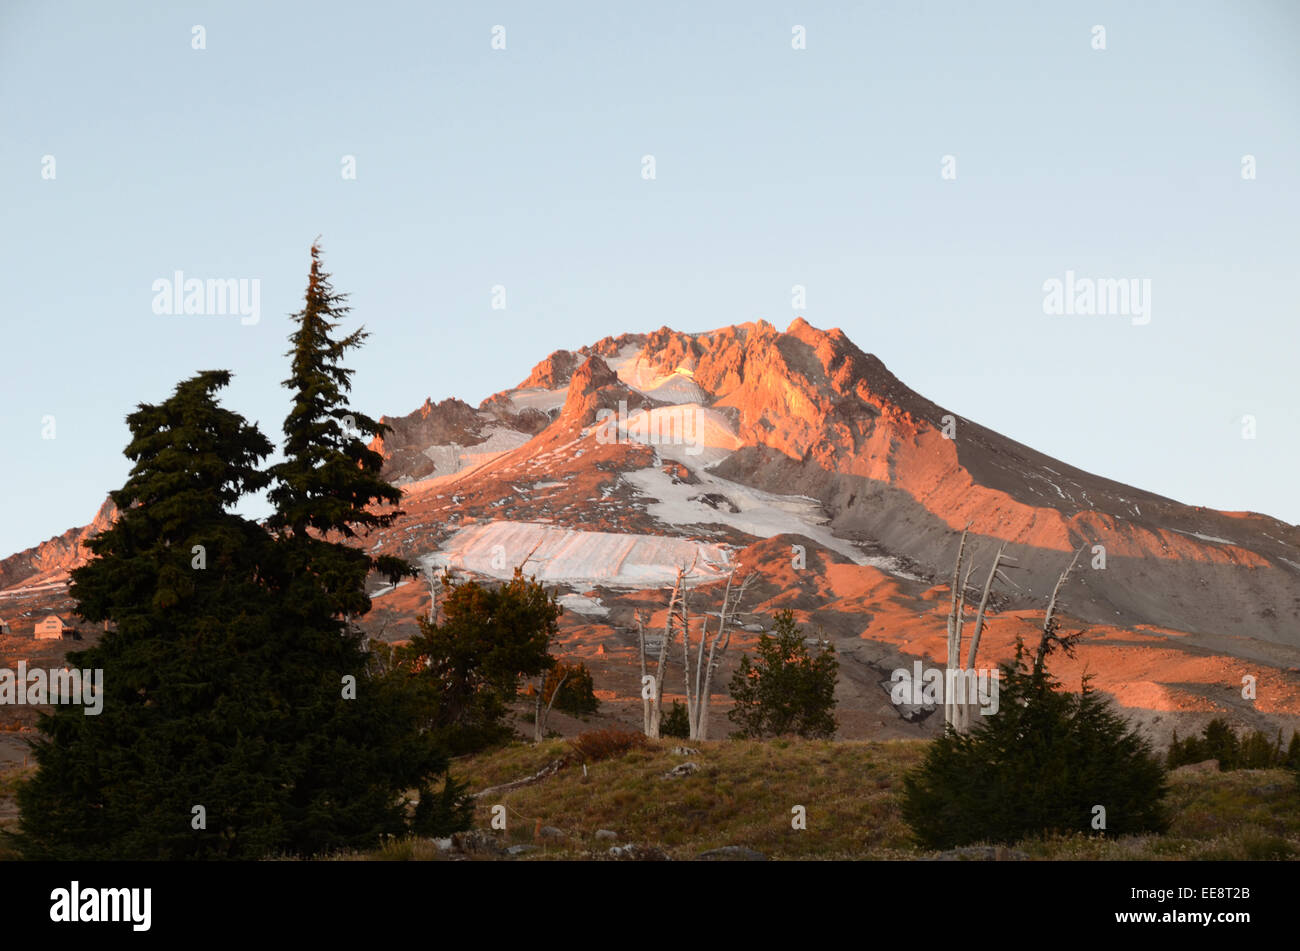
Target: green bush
[[1219, 741], [677, 723], [577, 694], [788, 690], [1040, 765]]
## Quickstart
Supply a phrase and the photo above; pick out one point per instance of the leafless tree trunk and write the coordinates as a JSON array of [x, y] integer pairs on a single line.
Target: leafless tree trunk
[[691, 692], [718, 649], [1049, 629], [539, 720], [964, 713], [435, 590], [656, 713], [641, 620], [954, 626]]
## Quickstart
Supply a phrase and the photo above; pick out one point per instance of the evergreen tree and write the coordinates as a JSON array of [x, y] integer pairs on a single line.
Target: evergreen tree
[[1292, 758], [178, 575], [354, 756], [472, 662], [1186, 752], [1041, 764], [787, 690], [677, 723], [330, 479], [1258, 752], [1220, 741], [577, 690], [236, 682]]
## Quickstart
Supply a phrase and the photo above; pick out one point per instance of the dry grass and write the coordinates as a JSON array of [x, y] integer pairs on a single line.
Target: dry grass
[[743, 794], [744, 791], [597, 745]]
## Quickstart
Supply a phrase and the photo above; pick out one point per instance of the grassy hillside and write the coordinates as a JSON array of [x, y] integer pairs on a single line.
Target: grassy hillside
[[744, 791]]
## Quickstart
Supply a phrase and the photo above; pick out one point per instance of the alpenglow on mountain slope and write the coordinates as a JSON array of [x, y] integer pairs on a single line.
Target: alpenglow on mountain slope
[[800, 458], [748, 431]]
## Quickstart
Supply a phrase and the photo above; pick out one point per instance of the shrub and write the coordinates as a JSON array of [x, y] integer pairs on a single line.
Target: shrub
[[470, 664], [1038, 766], [787, 690], [1219, 741], [677, 723], [596, 745], [577, 695]]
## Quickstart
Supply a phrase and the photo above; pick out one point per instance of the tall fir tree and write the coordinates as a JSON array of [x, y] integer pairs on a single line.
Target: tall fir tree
[[325, 494], [330, 480], [179, 578], [240, 717]]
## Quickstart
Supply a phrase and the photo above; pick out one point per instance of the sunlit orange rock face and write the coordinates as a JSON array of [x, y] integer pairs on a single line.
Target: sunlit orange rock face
[[51, 560], [844, 493]]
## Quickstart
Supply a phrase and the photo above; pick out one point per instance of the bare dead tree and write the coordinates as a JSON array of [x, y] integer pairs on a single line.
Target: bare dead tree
[[642, 619], [670, 631], [691, 694], [954, 625], [965, 710], [1050, 639], [717, 650], [437, 584]]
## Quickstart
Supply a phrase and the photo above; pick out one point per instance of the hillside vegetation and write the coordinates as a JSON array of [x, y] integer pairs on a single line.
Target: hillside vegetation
[[744, 791]]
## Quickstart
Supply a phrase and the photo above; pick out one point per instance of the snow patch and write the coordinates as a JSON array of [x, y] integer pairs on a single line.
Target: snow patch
[[1205, 538], [453, 458], [557, 554], [688, 432], [537, 398], [762, 514], [581, 604], [676, 386]]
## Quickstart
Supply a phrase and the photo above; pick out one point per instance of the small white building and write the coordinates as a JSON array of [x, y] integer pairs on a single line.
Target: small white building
[[50, 629]]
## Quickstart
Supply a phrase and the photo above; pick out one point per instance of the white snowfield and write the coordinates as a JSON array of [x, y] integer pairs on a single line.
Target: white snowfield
[[676, 386], [537, 398], [453, 461], [761, 514], [688, 432], [581, 604], [567, 555]]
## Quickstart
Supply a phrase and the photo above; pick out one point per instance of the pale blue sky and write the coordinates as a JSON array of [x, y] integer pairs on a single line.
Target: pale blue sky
[[775, 167]]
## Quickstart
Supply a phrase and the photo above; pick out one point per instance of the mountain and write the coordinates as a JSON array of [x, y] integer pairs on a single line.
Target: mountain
[[804, 461], [50, 561], [807, 413]]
